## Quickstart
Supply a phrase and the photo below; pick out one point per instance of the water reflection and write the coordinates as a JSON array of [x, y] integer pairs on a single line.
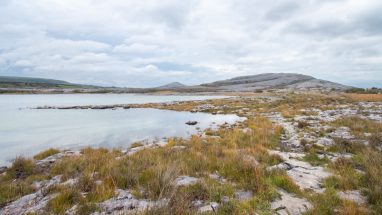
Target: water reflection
[[29, 131]]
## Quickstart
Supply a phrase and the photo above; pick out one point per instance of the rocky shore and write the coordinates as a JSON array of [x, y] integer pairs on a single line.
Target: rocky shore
[[296, 154]]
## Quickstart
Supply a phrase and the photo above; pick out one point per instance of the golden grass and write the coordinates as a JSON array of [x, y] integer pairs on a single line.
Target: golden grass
[[364, 97], [46, 153]]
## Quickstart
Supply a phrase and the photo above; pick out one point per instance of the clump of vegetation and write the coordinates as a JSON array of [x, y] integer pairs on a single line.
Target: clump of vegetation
[[359, 126], [302, 124], [136, 144], [371, 161], [345, 146], [64, 201], [348, 178], [17, 180], [46, 153], [22, 168], [12, 190], [375, 140], [312, 158]]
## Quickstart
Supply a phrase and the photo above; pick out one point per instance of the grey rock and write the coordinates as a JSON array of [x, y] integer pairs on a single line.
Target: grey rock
[[125, 203], [186, 181], [289, 204], [218, 177], [353, 195], [274, 80], [210, 207], [302, 173], [342, 132], [325, 142], [191, 122], [243, 195], [32, 203]]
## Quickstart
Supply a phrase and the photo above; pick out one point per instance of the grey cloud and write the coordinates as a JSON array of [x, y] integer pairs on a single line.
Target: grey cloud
[[282, 11], [149, 42]]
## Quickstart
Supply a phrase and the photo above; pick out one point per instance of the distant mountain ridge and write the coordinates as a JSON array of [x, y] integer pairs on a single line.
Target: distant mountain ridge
[[12, 79], [172, 85], [250, 83], [274, 81]]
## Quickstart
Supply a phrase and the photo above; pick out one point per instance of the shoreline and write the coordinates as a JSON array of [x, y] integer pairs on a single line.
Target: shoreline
[[295, 152]]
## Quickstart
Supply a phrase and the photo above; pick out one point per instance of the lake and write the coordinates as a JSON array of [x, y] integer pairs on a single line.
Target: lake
[[25, 131]]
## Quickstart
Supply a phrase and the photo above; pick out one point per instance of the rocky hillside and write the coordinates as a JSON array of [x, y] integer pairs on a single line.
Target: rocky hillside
[[11, 79], [172, 85], [274, 81]]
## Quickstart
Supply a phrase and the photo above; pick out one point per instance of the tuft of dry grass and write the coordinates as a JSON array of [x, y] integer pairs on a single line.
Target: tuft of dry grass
[[46, 153], [22, 168], [64, 201]]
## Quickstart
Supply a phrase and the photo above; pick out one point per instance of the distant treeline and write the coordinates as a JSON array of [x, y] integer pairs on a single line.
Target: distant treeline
[[373, 90]]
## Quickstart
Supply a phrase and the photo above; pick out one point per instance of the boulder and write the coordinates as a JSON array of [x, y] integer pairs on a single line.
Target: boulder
[[191, 122]]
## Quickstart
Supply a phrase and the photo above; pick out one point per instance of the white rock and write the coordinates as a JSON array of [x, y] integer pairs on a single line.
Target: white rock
[[302, 173], [342, 132], [353, 195], [324, 141], [288, 204], [218, 177], [243, 195], [186, 181], [125, 203], [210, 207]]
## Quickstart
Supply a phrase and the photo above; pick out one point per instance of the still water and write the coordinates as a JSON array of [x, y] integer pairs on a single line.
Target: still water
[[25, 131]]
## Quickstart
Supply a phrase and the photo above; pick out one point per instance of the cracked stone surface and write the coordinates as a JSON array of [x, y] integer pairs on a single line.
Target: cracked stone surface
[[353, 195], [289, 204], [303, 174], [210, 207], [32, 203]]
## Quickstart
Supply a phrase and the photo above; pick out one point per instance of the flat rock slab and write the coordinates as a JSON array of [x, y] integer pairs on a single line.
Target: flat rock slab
[[243, 195], [342, 132], [125, 203], [325, 142], [353, 195], [48, 161], [186, 181], [210, 207], [289, 204], [303, 174], [32, 203]]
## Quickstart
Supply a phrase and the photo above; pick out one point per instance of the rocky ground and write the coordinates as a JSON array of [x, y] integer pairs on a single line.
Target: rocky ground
[[296, 154]]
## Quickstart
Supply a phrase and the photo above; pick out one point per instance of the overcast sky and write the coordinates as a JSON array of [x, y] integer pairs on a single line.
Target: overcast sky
[[143, 43]]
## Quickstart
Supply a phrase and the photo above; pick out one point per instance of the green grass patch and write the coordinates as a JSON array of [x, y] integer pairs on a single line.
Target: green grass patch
[[46, 154]]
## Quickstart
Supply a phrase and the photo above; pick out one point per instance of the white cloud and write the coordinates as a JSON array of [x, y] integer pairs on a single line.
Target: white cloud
[[149, 42]]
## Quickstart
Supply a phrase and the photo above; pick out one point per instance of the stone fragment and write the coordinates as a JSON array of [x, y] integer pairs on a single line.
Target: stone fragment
[[210, 207], [243, 195], [186, 181]]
